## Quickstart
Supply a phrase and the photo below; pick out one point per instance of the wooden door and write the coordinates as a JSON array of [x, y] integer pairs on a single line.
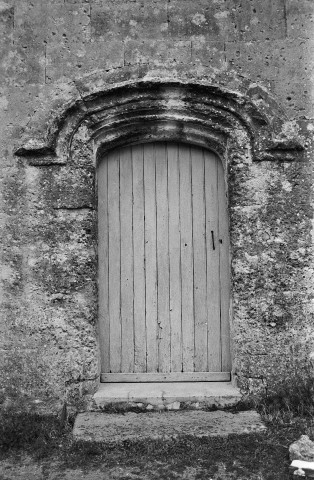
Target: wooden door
[[163, 265]]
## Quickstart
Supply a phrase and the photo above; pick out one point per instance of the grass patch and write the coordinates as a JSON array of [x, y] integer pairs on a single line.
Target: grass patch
[[292, 391], [41, 435], [262, 456], [287, 409], [294, 397]]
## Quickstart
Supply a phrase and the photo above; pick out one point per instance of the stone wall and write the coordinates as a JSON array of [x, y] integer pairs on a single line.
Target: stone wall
[[55, 56]]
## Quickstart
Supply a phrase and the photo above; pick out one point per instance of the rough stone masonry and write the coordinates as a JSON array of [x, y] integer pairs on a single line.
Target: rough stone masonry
[[233, 75]]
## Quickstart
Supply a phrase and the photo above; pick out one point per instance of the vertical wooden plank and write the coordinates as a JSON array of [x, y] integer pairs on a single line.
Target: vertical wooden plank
[[103, 291], [150, 256], [139, 263], [212, 253], [199, 265], [162, 258], [114, 261], [186, 259], [224, 269], [126, 225], [174, 259]]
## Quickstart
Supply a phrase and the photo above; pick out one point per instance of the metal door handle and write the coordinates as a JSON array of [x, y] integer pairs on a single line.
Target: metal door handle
[[213, 240]]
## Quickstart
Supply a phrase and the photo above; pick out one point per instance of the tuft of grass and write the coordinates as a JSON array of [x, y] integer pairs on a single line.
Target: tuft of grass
[[42, 434], [291, 395]]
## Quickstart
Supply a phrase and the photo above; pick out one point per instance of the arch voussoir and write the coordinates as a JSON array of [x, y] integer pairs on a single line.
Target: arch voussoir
[[143, 111]]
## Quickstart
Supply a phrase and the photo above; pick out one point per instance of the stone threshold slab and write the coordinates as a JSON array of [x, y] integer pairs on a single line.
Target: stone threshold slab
[[117, 428], [168, 395]]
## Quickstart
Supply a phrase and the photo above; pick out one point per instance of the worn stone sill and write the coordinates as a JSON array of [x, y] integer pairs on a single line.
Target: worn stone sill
[[170, 396]]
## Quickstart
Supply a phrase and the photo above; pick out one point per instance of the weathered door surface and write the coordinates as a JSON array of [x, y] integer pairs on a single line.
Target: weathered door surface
[[163, 265]]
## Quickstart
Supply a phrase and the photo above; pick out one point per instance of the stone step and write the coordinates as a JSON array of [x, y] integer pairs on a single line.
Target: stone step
[[170, 396], [117, 428]]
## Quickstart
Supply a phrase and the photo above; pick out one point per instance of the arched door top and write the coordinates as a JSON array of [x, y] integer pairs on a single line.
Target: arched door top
[[195, 112]]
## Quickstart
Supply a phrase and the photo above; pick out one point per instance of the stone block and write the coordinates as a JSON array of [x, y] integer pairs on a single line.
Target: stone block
[[173, 406], [108, 428], [82, 153], [144, 52], [124, 19], [296, 97], [209, 53], [157, 52], [278, 358], [246, 20], [258, 60], [54, 349], [66, 188], [295, 84], [71, 60], [256, 20], [6, 24], [54, 22], [176, 394], [296, 59], [65, 271], [212, 20], [302, 449], [36, 25], [179, 52], [287, 64], [23, 64], [27, 113], [17, 108], [300, 18]]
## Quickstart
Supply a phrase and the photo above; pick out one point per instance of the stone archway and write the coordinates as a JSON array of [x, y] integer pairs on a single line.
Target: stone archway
[[240, 126], [195, 112]]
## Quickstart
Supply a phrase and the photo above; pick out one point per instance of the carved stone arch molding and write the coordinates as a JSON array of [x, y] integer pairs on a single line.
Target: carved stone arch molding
[[238, 120], [229, 122]]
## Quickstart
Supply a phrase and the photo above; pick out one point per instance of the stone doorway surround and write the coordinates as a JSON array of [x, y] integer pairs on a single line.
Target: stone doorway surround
[[237, 120]]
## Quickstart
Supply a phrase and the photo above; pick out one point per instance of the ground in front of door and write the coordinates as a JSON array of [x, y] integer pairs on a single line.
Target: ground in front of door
[[250, 455]]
